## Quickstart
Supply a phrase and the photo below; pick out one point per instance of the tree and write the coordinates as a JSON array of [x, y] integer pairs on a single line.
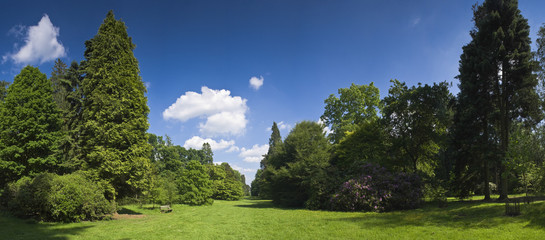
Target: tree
[[367, 144], [355, 105], [497, 65], [207, 154], [195, 185], [29, 127], [114, 117], [68, 97], [302, 180], [3, 90], [273, 159], [61, 85], [417, 120]]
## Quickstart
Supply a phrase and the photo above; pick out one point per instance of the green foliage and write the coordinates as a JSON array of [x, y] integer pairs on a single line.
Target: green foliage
[[114, 118], [225, 182], [497, 87], [261, 186], [29, 127], [301, 180], [417, 120], [207, 154], [195, 185], [355, 105], [367, 144], [3, 90], [68, 96], [49, 197]]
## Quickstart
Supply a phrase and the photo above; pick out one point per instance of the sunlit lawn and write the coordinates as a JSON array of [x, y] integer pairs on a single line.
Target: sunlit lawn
[[258, 219]]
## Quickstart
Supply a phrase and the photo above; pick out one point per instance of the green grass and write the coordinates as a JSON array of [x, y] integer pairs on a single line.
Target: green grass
[[258, 219]]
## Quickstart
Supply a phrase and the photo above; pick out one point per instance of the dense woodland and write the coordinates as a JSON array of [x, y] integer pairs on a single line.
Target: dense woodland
[[74, 146]]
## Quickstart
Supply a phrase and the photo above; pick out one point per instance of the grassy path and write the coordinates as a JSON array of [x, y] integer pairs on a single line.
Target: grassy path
[[257, 219]]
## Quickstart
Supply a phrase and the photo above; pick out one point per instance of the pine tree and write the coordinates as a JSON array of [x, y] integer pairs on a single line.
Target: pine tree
[[207, 154], [497, 86], [29, 127], [114, 114]]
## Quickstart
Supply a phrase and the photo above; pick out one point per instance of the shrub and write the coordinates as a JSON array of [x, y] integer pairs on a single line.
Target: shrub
[[378, 190], [75, 198], [49, 197]]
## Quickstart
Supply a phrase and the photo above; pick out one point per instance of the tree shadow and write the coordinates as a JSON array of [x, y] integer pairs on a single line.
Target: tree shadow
[[128, 211], [459, 215], [16, 228], [265, 204]]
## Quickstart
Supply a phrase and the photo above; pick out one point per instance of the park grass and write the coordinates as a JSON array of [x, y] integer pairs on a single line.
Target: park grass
[[260, 219]]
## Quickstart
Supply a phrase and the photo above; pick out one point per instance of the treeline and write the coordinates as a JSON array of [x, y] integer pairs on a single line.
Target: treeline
[[421, 142], [74, 145]]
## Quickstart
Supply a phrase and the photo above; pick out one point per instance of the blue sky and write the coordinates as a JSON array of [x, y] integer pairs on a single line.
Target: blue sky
[[197, 57]]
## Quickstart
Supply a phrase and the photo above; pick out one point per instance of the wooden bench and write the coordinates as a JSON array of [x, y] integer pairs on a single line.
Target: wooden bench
[[166, 209]]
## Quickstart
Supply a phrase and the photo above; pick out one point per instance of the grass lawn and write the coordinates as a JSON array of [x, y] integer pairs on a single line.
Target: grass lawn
[[259, 219]]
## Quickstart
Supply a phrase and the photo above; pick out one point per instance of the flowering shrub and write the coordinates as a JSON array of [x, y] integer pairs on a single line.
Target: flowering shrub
[[378, 190]]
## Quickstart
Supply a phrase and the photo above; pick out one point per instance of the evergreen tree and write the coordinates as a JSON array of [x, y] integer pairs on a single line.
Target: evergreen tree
[[3, 90], [497, 86], [29, 127], [114, 112], [207, 154], [61, 86]]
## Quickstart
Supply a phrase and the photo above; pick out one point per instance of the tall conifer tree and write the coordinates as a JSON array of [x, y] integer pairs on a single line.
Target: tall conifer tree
[[497, 86], [114, 118]]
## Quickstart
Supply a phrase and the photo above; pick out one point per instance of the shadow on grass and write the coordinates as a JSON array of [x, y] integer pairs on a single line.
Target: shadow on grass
[[460, 215], [128, 211], [16, 228], [264, 204]]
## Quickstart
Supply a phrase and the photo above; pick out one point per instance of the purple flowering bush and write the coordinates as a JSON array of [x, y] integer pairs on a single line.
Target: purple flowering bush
[[378, 190]]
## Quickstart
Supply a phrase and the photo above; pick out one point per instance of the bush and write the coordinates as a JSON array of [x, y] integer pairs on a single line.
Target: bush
[[378, 190], [74, 198], [49, 197]]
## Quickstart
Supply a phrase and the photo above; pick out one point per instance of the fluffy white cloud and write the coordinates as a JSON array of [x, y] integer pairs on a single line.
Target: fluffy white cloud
[[256, 82], [196, 142], [254, 154], [41, 43], [225, 114]]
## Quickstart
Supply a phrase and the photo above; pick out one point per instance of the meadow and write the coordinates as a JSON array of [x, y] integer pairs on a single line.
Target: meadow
[[260, 219]]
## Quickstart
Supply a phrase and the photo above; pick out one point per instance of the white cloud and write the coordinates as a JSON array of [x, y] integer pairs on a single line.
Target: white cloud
[[254, 154], [233, 149], [225, 114], [256, 82], [41, 43], [327, 130], [243, 170], [196, 142], [281, 126]]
